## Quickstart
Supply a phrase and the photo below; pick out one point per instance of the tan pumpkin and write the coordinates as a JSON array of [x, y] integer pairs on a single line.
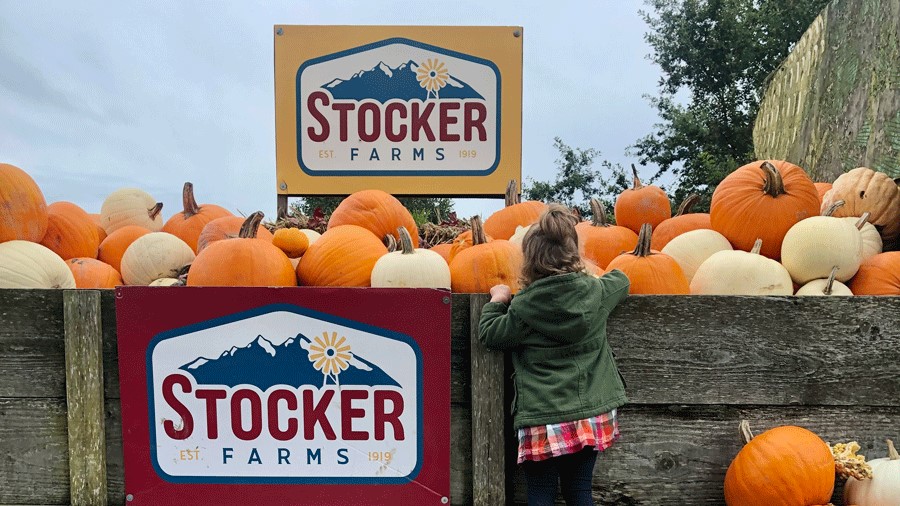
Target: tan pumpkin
[[25, 264], [650, 272], [411, 267], [692, 248], [741, 273], [502, 224], [813, 246], [292, 241], [879, 275], [642, 204], [188, 224], [227, 227], [24, 215], [344, 256], [377, 211], [599, 241], [113, 247], [130, 206], [92, 273], [683, 221], [865, 190], [71, 232], [153, 256], [485, 264], [825, 287], [242, 261]]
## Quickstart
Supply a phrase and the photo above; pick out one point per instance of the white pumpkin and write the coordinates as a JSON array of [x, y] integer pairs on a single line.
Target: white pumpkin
[[295, 261], [312, 235], [884, 487], [519, 235], [25, 264], [741, 273], [871, 239], [691, 249], [825, 287], [166, 282], [812, 247], [130, 206], [411, 268], [153, 256]]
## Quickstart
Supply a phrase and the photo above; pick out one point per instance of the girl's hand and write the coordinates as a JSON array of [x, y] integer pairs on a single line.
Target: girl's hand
[[500, 293]]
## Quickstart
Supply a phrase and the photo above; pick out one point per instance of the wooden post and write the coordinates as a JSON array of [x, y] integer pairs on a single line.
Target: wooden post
[[488, 449], [282, 207], [84, 397]]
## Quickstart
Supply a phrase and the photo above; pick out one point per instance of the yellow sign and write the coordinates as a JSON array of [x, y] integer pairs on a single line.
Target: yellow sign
[[411, 110]]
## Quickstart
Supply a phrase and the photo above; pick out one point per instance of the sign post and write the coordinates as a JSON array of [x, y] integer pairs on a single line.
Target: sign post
[[303, 396]]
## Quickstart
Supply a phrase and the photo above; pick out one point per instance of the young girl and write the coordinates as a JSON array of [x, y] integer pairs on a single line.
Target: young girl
[[567, 386]]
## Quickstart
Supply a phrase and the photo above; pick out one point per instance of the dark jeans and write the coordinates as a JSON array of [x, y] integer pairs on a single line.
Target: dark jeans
[[572, 471]]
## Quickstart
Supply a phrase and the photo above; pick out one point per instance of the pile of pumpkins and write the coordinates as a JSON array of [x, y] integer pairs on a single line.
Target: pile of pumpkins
[[770, 231]]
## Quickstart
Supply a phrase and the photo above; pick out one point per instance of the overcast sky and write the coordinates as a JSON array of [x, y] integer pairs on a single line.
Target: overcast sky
[[96, 96]]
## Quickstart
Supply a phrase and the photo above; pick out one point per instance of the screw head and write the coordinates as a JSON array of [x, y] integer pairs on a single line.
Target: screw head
[[444, 500], [446, 300], [283, 185], [129, 497], [280, 31], [517, 33]]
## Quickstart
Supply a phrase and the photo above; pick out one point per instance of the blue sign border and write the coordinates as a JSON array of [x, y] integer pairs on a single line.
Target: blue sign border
[[290, 308], [418, 172]]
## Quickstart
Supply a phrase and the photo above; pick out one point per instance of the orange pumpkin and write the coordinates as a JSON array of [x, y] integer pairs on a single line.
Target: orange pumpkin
[[344, 256], [502, 224], [188, 224], [642, 204], [24, 215], [292, 241], [786, 465], [462, 242], [100, 231], [242, 261], [485, 264], [879, 275], [226, 227], [70, 231], [113, 247], [683, 221], [822, 188], [443, 250], [762, 200], [602, 242], [650, 272], [92, 273], [376, 211]]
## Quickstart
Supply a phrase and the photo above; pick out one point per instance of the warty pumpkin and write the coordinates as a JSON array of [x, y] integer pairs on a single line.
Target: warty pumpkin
[[70, 232], [599, 241], [25, 264], [650, 272], [762, 200], [691, 249], [92, 273], [377, 211], [741, 273], [865, 190], [683, 221], [642, 204], [884, 486], [24, 215], [130, 206], [879, 275], [813, 246], [188, 224], [113, 247], [485, 264], [242, 261], [502, 223], [411, 267], [153, 256], [344, 256], [227, 227]]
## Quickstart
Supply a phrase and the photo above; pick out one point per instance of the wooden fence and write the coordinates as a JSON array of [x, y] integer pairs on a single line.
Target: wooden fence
[[695, 366]]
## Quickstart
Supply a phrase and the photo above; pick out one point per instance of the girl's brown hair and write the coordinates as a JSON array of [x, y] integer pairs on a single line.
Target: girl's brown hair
[[551, 246]]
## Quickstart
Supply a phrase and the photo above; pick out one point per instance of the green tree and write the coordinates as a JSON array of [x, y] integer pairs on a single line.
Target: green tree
[[422, 209], [718, 54], [577, 181]]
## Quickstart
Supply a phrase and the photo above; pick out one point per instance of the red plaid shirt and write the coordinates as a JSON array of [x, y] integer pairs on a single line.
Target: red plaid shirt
[[545, 441]]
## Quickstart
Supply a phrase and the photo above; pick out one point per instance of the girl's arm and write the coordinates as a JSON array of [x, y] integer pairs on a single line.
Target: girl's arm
[[615, 288], [498, 329]]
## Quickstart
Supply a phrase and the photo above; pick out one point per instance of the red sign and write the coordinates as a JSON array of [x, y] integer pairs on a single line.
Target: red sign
[[285, 396]]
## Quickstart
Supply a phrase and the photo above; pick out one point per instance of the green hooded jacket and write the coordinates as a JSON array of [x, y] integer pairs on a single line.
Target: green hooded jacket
[[556, 330]]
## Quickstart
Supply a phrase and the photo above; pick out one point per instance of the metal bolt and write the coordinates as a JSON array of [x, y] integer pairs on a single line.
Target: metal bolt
[[280, 31], [446, 300], [283, 185], [517, 33], [129, 497], [444, 500]]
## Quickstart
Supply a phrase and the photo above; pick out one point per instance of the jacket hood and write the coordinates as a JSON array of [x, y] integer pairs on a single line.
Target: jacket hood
[[560, 307]]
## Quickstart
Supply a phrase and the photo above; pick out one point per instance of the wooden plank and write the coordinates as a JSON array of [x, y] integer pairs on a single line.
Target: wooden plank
[[115, 467], [84, 397], [31, 343], [678, 455], [759, 350], [460, 346], [488, 412], [110, 345]]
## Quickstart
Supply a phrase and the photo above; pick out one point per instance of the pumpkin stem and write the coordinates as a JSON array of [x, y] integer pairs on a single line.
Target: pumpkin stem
[[688, 204], [406, 244], [251, 226], [390, 242], [757, 247], [774, 183], [745, 431], [478, 236], [830, 282], [155, 210], [863, 220], [599, 218], [643, 245], [892, 452], [512, 197], [190, 204], [637, 180], [833, 207]]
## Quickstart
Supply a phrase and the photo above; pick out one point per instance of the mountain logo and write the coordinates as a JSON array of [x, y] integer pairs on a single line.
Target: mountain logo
[[408, 81]]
